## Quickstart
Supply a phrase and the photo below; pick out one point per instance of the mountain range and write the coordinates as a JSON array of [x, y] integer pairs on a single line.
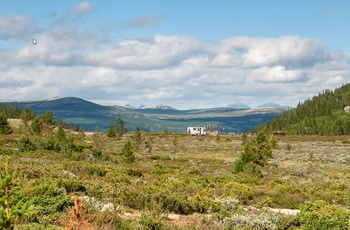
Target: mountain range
[[237, 105], [89, 115]]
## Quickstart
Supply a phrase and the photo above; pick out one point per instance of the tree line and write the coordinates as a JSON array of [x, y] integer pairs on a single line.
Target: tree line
[[320, 115]]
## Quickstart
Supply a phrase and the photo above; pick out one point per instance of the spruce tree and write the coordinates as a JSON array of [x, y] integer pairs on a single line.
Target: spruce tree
[[26, 116], [119, 128], [111, 132], [5, 127], [256, 152], [137, 137]]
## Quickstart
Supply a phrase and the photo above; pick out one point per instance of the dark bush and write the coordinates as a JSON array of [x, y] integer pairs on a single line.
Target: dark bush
[[72, 185], [134, 172]]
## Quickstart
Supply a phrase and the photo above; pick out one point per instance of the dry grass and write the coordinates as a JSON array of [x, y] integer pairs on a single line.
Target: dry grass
[[301, 169]]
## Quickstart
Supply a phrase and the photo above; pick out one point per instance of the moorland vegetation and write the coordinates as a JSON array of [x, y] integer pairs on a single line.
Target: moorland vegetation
[[56, 178]]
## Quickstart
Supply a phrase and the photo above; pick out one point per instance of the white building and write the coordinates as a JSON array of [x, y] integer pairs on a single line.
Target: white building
[[197, 131]]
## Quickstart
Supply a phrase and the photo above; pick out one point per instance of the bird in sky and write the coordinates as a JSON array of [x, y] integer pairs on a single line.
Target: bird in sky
[[34, 42]]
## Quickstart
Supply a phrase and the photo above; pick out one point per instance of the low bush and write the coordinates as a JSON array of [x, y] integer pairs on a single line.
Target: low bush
[[203, 202], [5, 151], [25, 144], [148, 221], [97, 153], [72, 185], [242, 192], [134, 172], [321, 215]]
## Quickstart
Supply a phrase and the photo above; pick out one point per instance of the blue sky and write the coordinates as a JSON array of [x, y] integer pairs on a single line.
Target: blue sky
[[187, 54]]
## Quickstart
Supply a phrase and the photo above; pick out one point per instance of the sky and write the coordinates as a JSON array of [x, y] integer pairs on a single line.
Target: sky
[[185, 54]]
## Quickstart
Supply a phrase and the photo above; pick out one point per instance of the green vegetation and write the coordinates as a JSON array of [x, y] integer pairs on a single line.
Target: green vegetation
[[11, 209], [256, 153], [10, 111], [142, 180], [5, 127], [117, 129], [321, 115]]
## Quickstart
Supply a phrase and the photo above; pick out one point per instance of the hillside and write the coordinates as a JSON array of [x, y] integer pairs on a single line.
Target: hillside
[[89, 115], [323, 114]]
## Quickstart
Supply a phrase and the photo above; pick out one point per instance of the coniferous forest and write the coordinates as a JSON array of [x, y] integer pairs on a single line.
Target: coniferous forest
[[323, 115]]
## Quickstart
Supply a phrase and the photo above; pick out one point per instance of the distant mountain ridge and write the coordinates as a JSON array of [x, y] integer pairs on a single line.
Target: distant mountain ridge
[[272, 105], [238, 105], [89, 115]]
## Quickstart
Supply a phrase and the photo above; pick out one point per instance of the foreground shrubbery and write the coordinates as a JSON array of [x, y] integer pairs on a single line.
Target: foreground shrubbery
[[135, 181]]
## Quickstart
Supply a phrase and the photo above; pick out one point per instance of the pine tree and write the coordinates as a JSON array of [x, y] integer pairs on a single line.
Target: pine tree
[[256, 152], [48, 121], [61, 134], [36, 125], [128, 152], [119, 128], [111, 132], [26, 116], [137, 137], [5, 127]]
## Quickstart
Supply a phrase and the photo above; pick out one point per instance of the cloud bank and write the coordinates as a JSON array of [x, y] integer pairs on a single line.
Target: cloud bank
[[180, 71]]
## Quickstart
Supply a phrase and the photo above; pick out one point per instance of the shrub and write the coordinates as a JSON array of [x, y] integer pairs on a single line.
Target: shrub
[[50, 201], [134, 172], [242, 192], [68, 147], [149, 221], [321, 215], [261, 221], [11, 209], [97, 153], [61, 134], [25, 144], [203, 202], [72, 185], [173, 202], [128, 152], [50, 143], [5, 151]]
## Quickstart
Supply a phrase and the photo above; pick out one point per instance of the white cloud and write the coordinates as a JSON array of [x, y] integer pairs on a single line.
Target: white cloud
[[152, 53], [15, 27], [278, 74], [181, 71], [337, 80], [254, 52], [83, 8], [151, 21]]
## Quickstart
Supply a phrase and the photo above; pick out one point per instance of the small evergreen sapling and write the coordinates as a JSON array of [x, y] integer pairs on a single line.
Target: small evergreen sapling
[[5, 127], [137, 138], [10, 210], [256, 152], [128, 152]]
